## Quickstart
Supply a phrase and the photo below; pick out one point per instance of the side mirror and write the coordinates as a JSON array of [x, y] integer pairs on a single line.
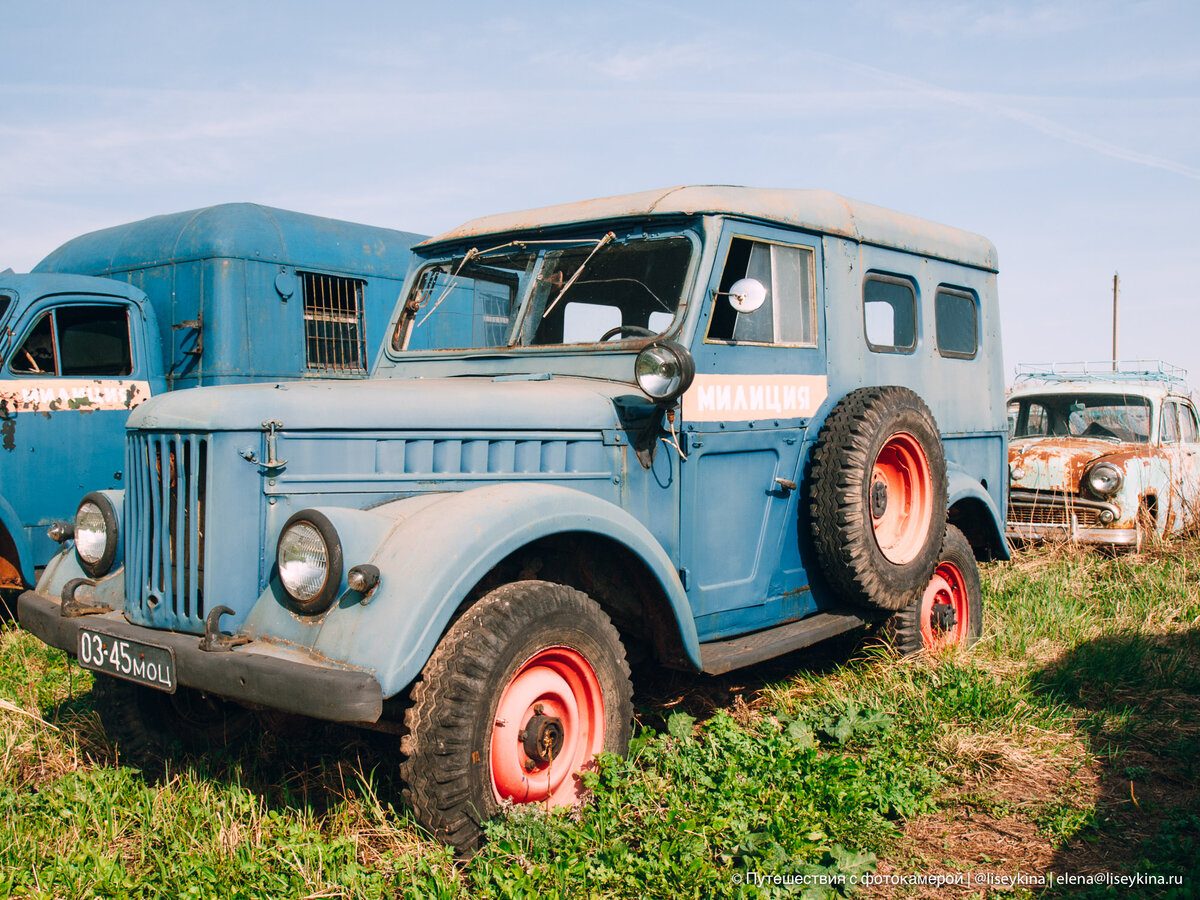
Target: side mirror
[[747, 294]]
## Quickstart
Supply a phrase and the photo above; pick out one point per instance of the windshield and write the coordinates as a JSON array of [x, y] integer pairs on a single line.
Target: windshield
[[532, 293], [1116, 417]]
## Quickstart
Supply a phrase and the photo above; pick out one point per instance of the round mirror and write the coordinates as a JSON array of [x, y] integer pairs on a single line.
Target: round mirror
[[747, 295]]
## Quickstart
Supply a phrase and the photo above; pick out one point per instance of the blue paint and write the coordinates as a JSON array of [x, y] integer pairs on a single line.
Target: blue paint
[[212, 296], [458, 456]]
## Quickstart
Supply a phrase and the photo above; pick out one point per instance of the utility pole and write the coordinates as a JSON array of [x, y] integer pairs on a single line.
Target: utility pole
[[1116, 291]]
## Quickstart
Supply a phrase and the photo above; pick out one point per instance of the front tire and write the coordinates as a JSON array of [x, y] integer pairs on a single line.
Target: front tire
[[522, 692]]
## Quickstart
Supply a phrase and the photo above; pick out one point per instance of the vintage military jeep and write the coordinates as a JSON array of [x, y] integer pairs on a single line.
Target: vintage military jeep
[[1102, 453], [703, 425]]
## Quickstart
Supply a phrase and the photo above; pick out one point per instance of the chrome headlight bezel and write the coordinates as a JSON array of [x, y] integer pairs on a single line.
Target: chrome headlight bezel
[[664, 360], [306, 526], [96, 559], [1104, 479]]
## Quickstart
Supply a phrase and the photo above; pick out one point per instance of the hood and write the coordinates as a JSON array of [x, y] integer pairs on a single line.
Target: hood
[[1059, 463], [453, 404]]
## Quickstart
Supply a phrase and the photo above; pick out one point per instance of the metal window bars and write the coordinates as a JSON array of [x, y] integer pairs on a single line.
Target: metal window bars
[[334, 335]]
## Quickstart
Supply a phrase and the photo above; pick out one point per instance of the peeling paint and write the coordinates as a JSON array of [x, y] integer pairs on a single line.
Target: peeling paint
[[57, 394]]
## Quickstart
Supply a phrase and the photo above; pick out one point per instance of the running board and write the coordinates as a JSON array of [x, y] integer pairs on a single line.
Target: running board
[[719, 657]]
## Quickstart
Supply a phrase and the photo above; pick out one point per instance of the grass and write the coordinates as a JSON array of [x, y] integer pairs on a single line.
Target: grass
[[1066, 741]]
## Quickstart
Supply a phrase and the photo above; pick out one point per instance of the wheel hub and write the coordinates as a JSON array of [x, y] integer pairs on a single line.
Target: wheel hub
[[543, 737], [942, 617], [879, 499]]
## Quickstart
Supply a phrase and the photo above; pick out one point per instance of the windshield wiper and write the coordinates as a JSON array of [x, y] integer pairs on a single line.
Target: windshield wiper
[[583, 265], [476, 253]]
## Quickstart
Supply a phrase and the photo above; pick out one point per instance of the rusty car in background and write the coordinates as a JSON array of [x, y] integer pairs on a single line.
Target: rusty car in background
[[1102, 453]]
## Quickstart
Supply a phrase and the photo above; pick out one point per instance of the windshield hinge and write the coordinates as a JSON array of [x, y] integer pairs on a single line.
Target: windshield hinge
[[271, 426]]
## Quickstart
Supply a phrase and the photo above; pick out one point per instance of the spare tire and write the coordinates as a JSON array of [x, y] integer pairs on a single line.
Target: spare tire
[[877, 497]]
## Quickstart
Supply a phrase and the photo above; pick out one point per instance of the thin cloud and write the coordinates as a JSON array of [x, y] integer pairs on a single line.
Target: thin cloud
[[1050, 128]]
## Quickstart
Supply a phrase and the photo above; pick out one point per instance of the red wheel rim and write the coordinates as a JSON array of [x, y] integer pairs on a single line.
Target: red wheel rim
[[945, 610], [900, 498], [555, 695]]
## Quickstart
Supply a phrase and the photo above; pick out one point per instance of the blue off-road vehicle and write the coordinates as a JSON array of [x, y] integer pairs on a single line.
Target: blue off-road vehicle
[[222, 295], [703, 425]]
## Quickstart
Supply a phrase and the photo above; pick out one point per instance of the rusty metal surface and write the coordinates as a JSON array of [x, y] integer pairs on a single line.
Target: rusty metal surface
[[1049, 495], [818, 211]]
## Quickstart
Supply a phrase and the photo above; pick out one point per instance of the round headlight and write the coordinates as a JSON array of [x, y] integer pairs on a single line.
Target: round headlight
[[96, 534], [309, 556], [664, 370], [1104, 479]]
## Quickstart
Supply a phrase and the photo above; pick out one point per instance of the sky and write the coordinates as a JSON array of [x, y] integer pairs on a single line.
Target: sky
[[1067, 133]]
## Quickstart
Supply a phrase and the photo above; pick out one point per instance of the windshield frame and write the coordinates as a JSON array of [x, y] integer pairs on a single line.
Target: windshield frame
[[589, 237]]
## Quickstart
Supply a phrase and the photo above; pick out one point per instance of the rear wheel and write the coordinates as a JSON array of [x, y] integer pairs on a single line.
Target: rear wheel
[[950, 611], [517, 699]]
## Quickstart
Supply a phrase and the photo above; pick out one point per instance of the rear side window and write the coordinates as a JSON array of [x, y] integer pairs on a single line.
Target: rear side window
[[335, 339], [890, 313], [5, 300], [1189, 432], [1168, 431], [957, 318], [77, 340]]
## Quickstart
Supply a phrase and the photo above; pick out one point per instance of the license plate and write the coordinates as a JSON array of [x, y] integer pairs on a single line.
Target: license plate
[[132, 660]]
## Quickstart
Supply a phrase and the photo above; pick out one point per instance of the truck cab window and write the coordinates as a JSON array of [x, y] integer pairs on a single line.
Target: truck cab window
[[788, 314], [77, 340]]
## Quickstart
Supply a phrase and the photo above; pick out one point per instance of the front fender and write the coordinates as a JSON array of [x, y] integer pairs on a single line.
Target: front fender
[[431, 551], [64, 567], [11, 523]]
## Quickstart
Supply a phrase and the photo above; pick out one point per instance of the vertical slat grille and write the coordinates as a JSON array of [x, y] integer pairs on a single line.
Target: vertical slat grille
[[334, 336], [165, 555]]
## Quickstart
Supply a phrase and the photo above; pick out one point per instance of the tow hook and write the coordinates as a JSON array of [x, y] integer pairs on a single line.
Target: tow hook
[[73, 608], [215, 642]]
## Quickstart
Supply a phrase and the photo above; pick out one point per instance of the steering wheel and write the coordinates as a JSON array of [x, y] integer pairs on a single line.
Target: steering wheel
[[635, 330]]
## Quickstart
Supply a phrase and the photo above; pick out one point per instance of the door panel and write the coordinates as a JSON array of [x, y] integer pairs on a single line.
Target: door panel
[[760, 377], [65, 393]]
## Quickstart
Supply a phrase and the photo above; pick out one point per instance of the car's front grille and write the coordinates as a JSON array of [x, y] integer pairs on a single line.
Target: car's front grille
[[1053, 509], [164, 515]]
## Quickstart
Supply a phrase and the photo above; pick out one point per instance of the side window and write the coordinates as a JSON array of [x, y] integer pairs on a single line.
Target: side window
[[36, 355], [93, 340], [334, 337], [1168, 431], [890, 313], [77, 340], [5, 301], [957, 318], [1189, 431], [788, 313]]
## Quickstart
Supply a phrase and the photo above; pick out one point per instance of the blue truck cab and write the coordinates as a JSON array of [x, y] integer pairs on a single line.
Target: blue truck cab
[[222, 295], [699, 426]]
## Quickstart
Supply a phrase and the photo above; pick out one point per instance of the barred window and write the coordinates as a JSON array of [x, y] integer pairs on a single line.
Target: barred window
[[335, 339]]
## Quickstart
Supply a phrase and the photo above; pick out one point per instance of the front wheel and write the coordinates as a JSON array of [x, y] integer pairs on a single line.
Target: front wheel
[[516, 700], [950, 611]]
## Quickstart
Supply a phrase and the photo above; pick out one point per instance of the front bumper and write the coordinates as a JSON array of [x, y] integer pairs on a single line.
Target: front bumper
[[259, 672], [1073, 532], [1056, 516]]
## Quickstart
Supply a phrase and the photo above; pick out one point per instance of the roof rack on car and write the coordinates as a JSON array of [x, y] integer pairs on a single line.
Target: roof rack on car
[[1136, 371]]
